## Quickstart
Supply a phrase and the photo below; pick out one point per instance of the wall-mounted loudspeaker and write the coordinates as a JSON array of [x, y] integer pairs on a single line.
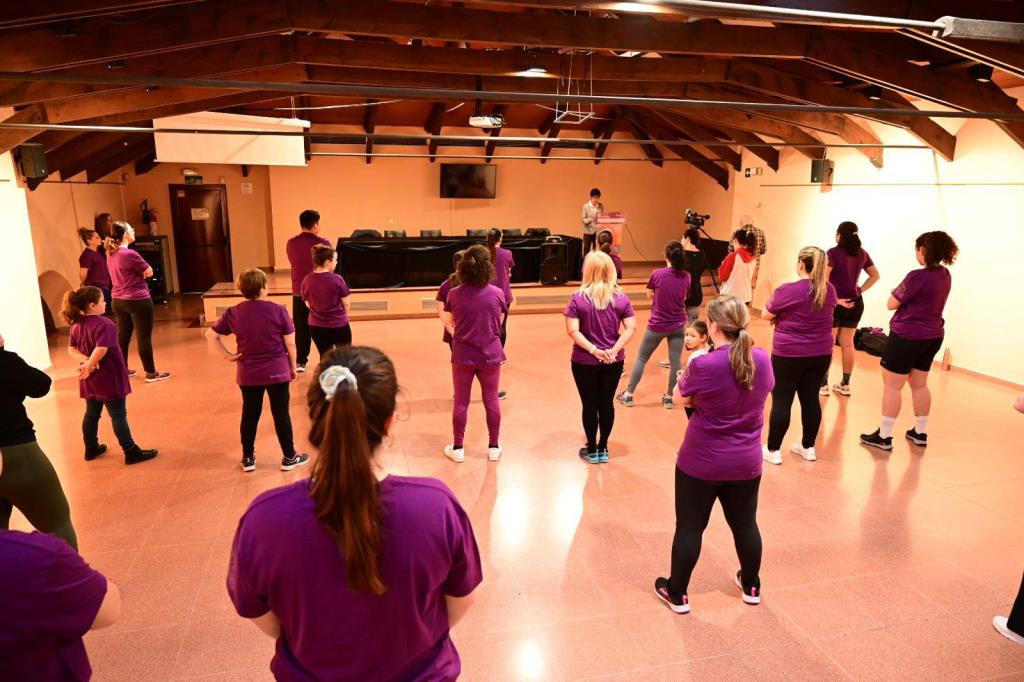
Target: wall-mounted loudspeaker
[[821, 171], [32, 164]]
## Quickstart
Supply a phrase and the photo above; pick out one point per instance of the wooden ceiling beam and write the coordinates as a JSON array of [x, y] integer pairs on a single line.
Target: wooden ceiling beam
[[753, 124], [691, 130], [211, 104], [433, 124], [498, 110], [604, 131], [20, 15], [662, 126], [81, 148], [369, 125], [753, 144], [654, 155], [95, 150], [9, 139], [133, 151], [545, 150]]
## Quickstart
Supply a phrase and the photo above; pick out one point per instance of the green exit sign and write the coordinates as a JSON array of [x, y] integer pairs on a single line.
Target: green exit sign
[[193, 179]]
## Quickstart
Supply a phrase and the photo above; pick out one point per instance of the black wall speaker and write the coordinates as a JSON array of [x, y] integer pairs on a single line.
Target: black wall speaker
[[821, 171], [32, 161]]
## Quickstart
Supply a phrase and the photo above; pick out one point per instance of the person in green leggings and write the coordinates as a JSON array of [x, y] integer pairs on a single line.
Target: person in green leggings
[[27, 479]]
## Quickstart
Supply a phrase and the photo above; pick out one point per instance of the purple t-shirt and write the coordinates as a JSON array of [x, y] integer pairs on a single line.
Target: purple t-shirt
[[50, 598], [322, 292], [283, 560], [801, 331], [601, 327], [617, 262], [110, 380], [668, 311], [126, 268], [503, 264], [258, 326], [846, 271], [97, 276], [442, 296], [478, 312], [300, 255], [723, 437], [922, 295]]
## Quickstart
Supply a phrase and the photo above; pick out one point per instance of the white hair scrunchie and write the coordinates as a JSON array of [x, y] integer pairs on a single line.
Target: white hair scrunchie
[[331, 377]]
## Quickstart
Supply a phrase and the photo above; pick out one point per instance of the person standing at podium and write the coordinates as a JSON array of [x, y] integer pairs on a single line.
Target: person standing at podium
[[300, 257], [591, 209]]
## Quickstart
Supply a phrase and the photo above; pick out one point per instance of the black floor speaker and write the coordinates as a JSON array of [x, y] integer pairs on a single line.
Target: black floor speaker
[[554, 265]]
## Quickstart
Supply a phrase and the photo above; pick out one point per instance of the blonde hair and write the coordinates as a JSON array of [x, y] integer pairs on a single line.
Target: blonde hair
[[732, 317], [250, 282], [599, 280], [813, 260]]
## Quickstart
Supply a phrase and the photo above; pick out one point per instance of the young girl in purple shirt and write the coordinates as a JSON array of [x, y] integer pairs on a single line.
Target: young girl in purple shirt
[[358, 575], [802, 313], [915, 337], [720, 458], [593, 319], [102, 373], [265, 358], [473, 314], [326, 294]]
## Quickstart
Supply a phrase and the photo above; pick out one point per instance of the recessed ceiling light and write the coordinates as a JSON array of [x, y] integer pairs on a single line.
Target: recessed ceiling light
[[872, 92], [536, 69], [981, 73]]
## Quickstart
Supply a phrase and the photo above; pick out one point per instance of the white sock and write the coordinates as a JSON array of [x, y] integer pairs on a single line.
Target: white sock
[[922, 425], [885, 430]]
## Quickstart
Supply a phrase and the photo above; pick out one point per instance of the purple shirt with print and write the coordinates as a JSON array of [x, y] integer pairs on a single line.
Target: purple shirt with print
[[284, 560], [442, 296], [110, 380], [846, 271], [478, 312], [322, 292], [801, 331], [300, 256], [723, 437], [922, 295], [600, 327], [50, 598], [258, 326], [96, 263], [668, 311], [126, 269], [503, 264]]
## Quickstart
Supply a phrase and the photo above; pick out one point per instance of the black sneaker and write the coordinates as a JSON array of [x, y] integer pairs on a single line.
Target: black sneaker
[[92, 453], [248, 463], [917, 438], [679, 603], [297, 460], [751, 595], [875, 440], [157, 376], [138, 455]]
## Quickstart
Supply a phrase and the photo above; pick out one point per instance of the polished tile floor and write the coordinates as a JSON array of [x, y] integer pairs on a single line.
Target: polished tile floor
[[875, 567]]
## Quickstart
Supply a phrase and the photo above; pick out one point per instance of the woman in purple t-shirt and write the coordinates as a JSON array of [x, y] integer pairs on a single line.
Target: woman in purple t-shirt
[[473, 314], [102, 372], [802, 313], [503, 264], [357, 574], [265, 358], [131, 302], [845, 263], [92, 263], [326, 294], [669, 287], [593, 318], [720, 458], [916, 332]]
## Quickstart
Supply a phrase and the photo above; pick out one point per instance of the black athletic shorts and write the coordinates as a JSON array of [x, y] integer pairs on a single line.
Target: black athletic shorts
[[848, 318], [903, 355]]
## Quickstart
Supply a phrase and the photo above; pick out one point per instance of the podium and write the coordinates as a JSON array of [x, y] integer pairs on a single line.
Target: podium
[[614, 222]]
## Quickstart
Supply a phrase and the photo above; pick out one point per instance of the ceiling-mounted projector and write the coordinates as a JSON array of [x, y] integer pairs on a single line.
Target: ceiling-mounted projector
[[493, 121]]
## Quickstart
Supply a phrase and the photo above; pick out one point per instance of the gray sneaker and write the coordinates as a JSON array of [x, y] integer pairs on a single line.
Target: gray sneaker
[[666, 402], [625, 399]]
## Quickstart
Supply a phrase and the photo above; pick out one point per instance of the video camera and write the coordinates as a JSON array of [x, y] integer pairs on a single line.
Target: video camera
[[696, 219]]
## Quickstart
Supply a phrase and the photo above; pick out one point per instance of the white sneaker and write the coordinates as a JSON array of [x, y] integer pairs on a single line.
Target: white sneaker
[[457, 455], [999, 623], [494, 454], [825, 391], [806, 453], [770, 456]]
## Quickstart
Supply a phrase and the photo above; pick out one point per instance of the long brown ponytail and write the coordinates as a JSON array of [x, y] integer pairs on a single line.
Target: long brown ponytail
[[732, 317], [77, 302], [813, 260], [347, 429], [493, 239], [117, 232]]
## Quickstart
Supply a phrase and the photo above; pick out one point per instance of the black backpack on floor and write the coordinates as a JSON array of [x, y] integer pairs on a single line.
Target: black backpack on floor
[[871, 341]]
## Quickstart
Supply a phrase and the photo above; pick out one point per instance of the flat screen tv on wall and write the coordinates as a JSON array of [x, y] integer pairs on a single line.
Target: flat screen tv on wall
[[468, 181]]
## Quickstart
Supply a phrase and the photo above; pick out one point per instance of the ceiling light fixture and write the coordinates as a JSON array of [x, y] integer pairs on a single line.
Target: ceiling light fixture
[[872, 92], [981, 73], [536, 69]]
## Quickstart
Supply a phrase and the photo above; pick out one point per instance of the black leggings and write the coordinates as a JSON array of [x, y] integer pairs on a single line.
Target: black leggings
[[29, 483], [252, 408], [300, 317], [596, 384], [503, 335], [132, 316], [800, 376], [695, 498], [1015, 622], [327, 338]]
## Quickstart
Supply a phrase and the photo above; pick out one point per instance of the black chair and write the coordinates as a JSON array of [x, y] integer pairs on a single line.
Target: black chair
[[430, 233], [538, 232], [476, 233], [365, 234], [513, 232], [394, 234]]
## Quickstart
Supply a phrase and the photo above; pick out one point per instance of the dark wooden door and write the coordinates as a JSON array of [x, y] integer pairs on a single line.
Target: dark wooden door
[[202, 237]]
